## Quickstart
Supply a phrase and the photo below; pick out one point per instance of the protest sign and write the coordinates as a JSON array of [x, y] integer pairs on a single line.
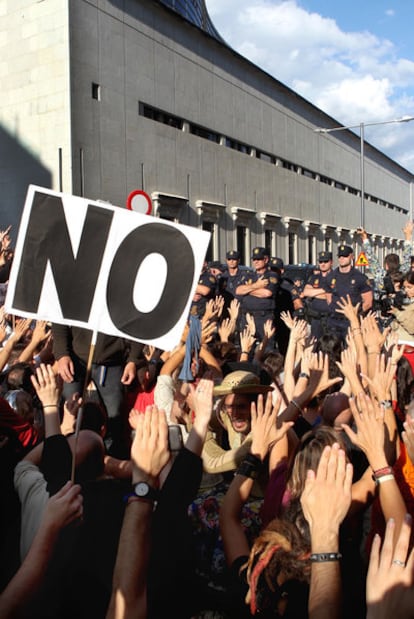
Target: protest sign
[[108, 269]]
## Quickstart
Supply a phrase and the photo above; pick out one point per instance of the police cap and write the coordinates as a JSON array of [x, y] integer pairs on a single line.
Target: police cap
[[345, 251], [324, 256], [233, 254], [259, 253]]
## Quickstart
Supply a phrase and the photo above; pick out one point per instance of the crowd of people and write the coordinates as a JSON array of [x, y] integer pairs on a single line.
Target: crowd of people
[[263, 467]]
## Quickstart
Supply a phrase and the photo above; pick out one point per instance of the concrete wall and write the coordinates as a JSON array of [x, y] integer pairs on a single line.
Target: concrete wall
[[35, 103]]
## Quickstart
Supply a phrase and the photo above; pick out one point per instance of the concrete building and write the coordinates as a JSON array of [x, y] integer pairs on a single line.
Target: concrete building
[[101, 97]]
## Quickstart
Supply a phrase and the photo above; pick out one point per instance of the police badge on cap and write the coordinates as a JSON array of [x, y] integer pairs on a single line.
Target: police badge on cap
[[259, 253], [324, 256], [345, 251], [233, 254]]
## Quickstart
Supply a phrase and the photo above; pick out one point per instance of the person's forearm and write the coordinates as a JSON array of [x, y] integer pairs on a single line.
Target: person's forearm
[[196, 438], [295, 406], [28, 579], [325, 587], [210, 360], [5, 352], [236, 496], [128, 599], [367, 300], [262, 293], [172, 363], [120, 469], [289, 381], [26, 356]]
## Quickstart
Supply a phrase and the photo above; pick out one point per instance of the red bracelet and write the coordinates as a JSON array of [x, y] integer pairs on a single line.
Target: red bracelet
[[386, 470]]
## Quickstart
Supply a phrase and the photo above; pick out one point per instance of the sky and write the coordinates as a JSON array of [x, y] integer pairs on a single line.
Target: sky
[[354, 60]]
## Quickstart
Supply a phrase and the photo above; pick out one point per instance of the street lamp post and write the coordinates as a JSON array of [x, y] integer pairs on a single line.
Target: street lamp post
[[361, 126]]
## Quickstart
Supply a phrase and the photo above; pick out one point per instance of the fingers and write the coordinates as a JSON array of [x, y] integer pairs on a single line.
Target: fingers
[[374, 558]]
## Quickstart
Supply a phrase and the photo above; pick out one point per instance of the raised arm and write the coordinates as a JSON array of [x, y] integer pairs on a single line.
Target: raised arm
[[370, 437], [264, 434], [325, 502], [149, 455], [61, 509]]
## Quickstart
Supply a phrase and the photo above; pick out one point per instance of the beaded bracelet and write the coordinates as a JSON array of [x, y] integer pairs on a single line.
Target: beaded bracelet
[[323, 557]]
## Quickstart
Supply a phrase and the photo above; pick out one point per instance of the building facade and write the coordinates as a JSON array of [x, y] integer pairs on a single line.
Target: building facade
[[102, 97]]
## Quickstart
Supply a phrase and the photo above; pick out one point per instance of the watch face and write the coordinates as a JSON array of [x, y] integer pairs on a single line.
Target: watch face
[[142, 489]]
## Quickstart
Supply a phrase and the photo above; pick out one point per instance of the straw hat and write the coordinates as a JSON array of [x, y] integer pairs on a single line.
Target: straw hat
[[241, 381]]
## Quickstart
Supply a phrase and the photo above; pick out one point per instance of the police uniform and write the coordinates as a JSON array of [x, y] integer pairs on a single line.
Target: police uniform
[[339, 285], [262, 309], [317, 309], [230, 282], [199, 307]]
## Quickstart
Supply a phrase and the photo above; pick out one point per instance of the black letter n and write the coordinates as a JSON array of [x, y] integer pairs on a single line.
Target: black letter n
[[47, 239]]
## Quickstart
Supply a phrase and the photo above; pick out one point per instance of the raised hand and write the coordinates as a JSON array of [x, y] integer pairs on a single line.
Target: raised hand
[[326, 497], [225, 329], [48, 386], [63, 507], [265, 430], [247, 340], [389, 588], [149, 450], [233, 310], [370, 435], [251, 325]]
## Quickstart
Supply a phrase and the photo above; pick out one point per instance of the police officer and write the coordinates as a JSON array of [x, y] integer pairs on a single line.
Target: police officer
[[233, 275], [317, 307], [258, 291], [342, 281], [230, 279], [205, 290]]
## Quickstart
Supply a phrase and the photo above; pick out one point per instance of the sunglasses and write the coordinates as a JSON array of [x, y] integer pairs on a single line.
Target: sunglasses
[[323, 261]]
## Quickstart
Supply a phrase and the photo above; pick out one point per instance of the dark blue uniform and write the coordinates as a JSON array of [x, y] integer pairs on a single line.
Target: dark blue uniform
[[353, 283], [199, 307], [229, 282], [262, 309], [317, 309]]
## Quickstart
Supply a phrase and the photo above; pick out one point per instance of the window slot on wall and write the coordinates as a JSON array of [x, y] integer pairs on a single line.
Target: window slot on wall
[[206, 134], [241, 243], [96, 91], [209, 227]]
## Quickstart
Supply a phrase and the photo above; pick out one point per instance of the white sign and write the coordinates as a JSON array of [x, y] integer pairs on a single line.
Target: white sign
[[98, 266]]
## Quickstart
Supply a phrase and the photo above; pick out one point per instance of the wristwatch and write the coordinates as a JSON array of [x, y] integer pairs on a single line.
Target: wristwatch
[[142, 490]]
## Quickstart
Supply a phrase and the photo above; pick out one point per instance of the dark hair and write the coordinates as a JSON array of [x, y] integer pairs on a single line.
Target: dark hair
[[397, 277], [409, 277], [308, 454], [224, 351], [94, 417], [19, 377], [273, 364], [147, 376], [405, 383], [392, 261], [330, 344], [279, 549]]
